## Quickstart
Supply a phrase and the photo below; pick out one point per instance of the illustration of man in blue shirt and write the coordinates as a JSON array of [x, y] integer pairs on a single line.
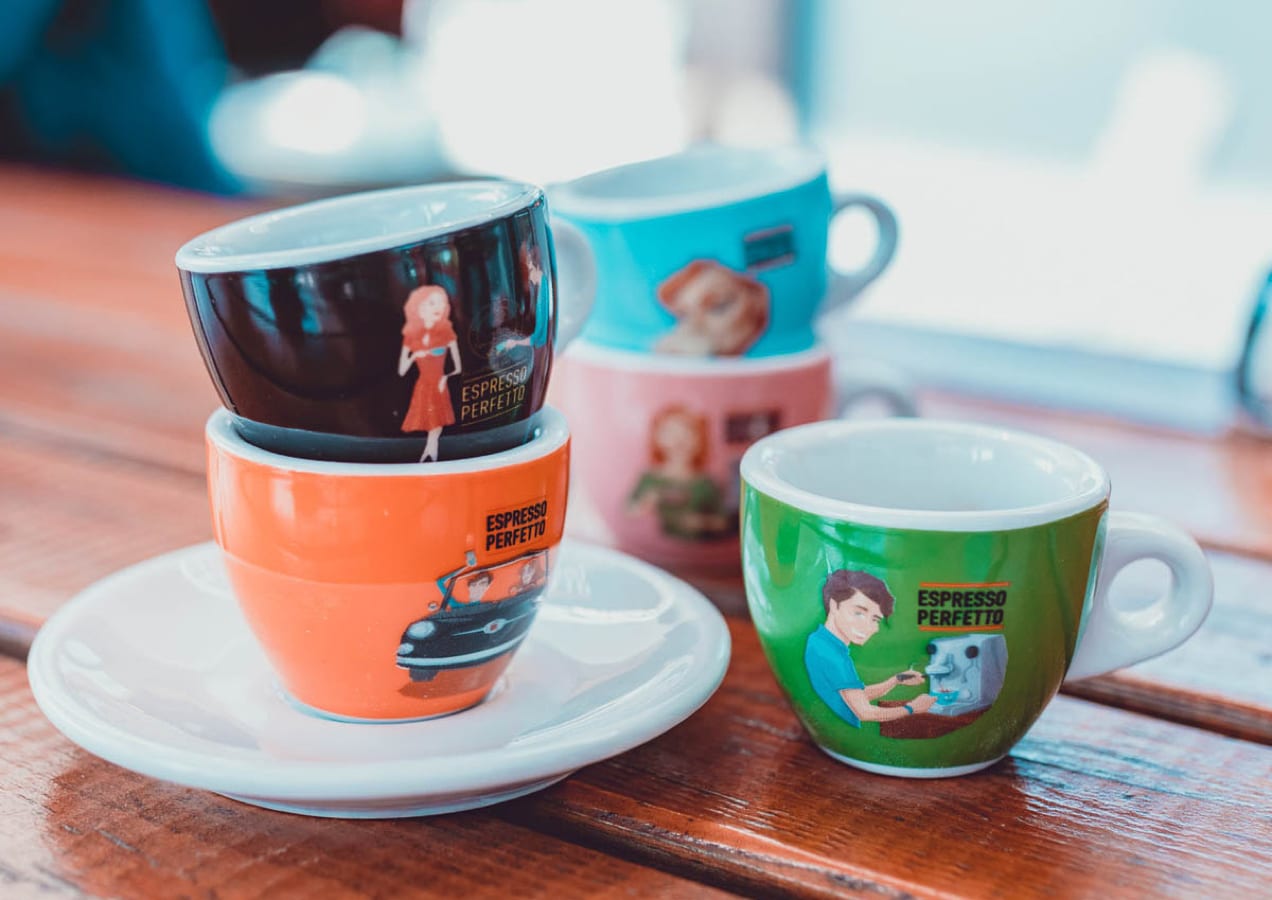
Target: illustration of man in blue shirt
[[856, 603]]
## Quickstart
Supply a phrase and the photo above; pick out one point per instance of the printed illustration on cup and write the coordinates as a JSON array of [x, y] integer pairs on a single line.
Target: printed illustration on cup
[[428, 341], [481, 613], [677, 487], [504, 336], [719, 311], [964, 671]]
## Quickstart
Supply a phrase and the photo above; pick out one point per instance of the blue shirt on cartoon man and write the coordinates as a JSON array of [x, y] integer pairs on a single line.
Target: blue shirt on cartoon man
[[855, 603], [831, 670]]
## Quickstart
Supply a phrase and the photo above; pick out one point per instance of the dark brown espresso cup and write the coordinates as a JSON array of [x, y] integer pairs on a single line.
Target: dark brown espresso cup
[[397, 325]]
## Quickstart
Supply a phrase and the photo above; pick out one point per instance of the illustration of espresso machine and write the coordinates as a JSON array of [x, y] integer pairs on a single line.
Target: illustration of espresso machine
[[965, 673]]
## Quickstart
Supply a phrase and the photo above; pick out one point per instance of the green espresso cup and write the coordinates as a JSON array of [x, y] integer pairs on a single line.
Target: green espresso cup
[[922, 588]]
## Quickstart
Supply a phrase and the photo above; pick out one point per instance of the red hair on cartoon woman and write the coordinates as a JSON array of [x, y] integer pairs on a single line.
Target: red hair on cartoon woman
[[440, 331], [696, 423], [719, 311]]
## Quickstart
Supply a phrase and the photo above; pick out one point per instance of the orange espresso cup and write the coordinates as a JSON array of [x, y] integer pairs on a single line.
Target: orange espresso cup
[[389, 591]]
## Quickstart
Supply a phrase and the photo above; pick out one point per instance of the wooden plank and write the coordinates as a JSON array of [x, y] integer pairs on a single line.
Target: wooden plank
[[94, 337], [107, 380], [95, 345], [69, 516], [1221, 679], [1094, 802], [72, 825], [1219, 490]]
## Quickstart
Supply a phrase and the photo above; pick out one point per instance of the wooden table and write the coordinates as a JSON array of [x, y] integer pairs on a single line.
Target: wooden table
[[1154, 781]]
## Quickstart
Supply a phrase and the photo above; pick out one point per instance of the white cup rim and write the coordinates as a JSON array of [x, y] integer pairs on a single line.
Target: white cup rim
[[762, 461], [758, 171], [362, 215], [552, 434], [670, 364]]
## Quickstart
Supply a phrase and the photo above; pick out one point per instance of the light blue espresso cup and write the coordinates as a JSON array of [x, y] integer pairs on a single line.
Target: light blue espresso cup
[[716, 251]]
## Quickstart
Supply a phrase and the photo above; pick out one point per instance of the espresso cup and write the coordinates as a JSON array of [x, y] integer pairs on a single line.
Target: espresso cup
[[717, 251], [657, 440], [922, 588], [401, 325], [388, 591]]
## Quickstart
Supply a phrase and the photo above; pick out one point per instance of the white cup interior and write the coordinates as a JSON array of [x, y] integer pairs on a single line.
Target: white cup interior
[[699, 178], [357, 223], [925, 474]]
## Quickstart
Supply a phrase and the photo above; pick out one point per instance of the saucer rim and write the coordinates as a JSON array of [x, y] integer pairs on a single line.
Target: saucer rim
[[306, 781]]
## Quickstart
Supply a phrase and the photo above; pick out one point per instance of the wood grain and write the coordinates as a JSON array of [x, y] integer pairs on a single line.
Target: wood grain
[[95, 345], [1221, 679], [72, 825], [1219, 490], [94, 337], [69, 516], [1094, 802]]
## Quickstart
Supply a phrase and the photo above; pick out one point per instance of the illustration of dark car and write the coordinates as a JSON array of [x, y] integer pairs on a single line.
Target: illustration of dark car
[[469, 633]]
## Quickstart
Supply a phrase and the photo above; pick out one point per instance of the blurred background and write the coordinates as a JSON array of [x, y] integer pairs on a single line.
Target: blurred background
[[1084, 186]]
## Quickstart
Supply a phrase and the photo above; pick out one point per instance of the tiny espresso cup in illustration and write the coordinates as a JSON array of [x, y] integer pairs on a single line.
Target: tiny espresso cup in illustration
[[401, 325], [657, 440], [717, 251], [383, 591], [921, 588]]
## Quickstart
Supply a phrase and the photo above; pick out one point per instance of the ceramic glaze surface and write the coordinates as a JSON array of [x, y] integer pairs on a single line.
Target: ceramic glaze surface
[[154, 669], [332, 346], [921, 588], [715, 252], [389, 592], [657, 445]]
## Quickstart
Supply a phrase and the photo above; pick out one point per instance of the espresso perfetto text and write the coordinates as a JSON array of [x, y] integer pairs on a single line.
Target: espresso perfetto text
[[961, 607]]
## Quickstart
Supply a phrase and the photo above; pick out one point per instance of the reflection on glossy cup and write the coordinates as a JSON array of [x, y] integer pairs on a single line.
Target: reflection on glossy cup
[[985, 553], [717, 251], [398, 325], [657, 440], [382, 591]]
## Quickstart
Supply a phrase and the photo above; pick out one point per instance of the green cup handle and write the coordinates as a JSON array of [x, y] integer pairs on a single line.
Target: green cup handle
[[1112, 638]]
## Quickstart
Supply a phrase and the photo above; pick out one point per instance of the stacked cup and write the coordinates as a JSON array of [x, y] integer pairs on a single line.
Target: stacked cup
[[387, 486], [711, 275]]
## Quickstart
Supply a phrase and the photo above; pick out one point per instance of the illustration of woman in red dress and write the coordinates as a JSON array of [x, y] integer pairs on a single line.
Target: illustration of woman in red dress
[[426, 338]]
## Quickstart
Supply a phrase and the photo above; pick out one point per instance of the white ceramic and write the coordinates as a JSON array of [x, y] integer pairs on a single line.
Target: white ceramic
[[153, 669]]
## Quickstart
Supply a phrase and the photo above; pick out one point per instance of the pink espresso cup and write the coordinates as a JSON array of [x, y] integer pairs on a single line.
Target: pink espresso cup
[[657, 440]]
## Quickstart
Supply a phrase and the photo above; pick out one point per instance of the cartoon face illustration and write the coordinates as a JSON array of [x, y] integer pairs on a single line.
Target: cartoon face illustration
[[477, 586], [431, 306], [677, 488], [719, 312], [678, 438], [856, 618]]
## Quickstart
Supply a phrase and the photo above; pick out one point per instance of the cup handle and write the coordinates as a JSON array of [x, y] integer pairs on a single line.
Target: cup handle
[[872, 381], [1114, 638], [576, 279], [845, 285]]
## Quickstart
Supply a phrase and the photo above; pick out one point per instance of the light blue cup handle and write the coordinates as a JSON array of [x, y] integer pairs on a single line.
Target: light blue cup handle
[[844, 286], [576, 281]]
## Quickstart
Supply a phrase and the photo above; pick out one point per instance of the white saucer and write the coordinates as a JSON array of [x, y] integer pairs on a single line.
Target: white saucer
[[153, 669]]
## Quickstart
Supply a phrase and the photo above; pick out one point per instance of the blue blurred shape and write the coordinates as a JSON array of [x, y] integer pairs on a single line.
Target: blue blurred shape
[[123, 85]]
